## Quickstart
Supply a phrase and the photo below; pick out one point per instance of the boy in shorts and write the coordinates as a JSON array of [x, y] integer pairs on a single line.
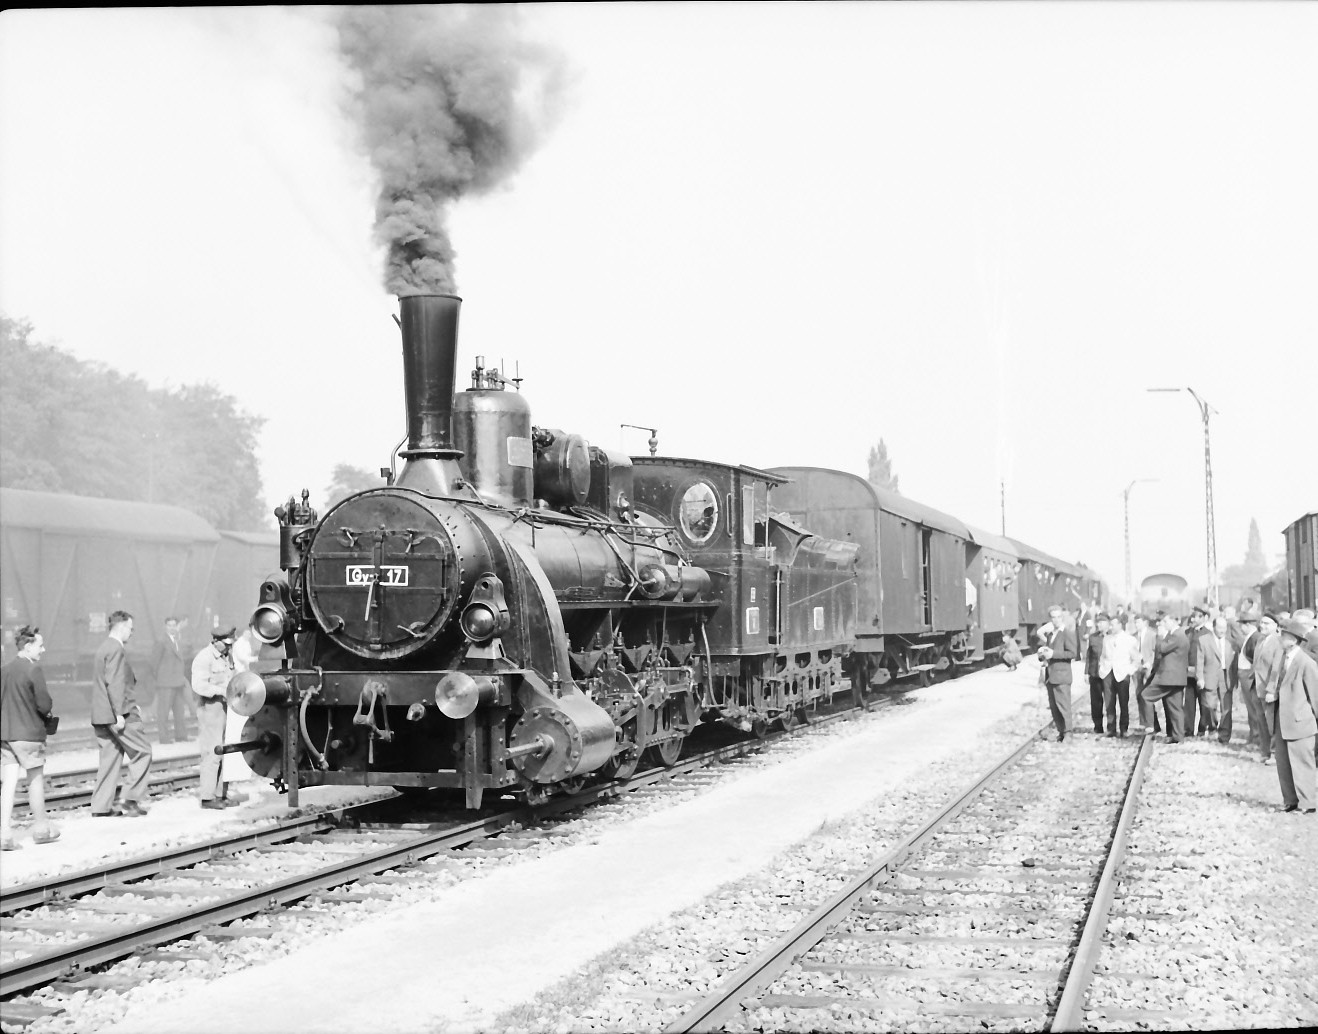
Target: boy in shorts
[[25, 705]]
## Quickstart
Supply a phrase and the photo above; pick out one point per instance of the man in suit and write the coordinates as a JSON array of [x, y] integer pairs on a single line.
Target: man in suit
[[1198, 624], [1167, 678], [117, 722], [1216, 655], [172, 687], [1295, 703], [1059, 650], [1093, 660], [1243, 666], [1147, 637], [1267, 664]]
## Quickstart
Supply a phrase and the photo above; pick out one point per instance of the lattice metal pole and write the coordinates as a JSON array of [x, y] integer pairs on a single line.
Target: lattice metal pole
[[1210, 530]]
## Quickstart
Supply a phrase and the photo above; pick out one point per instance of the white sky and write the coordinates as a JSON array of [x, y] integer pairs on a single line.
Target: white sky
[[776, 232]]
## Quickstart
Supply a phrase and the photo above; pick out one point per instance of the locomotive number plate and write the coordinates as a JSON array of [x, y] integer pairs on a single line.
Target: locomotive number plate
[[364, 574]]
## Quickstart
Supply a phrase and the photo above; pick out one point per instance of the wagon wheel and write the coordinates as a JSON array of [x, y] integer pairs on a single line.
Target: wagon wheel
[[573, 785], [788, 720], [759, 728], [668, 752]]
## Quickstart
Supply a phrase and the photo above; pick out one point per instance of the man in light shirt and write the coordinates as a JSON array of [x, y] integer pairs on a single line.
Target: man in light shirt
[[1244, 668], [1119, 660]]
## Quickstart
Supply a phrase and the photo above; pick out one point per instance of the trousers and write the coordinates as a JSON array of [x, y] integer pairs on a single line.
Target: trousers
[[211, 714], [1172, 698], [127, 744], [1224, 717], [1189, 705], [173, 699], [1059, 703], [1295, 768], [1096, 696], [1116, 694]]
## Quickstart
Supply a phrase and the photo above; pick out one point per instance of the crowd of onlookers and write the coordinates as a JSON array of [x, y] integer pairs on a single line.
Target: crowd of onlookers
[[1195, 669], [186, 682]]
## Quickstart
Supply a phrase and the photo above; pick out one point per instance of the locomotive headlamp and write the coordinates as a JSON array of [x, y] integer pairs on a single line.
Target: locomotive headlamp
[[479, 622], [270, 622], [486, 613]]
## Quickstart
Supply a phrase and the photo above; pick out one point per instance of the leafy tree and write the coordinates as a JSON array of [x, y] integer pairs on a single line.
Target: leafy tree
[[79, 427], [881, 475], [348, 479]]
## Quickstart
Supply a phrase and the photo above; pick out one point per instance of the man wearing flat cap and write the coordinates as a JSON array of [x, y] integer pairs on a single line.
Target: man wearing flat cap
[[1198, 625], [1296, 708], [212, 669]]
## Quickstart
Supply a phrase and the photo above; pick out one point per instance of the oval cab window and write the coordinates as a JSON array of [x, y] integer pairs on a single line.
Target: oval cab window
[[697, 513]]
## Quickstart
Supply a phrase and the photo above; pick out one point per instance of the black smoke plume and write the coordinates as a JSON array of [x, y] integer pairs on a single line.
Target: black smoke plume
[[450, 100]]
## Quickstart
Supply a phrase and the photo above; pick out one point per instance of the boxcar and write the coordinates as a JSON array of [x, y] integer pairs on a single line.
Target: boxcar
[[68, 561], [911, 564], [1302, 561], [243, 560], [1039, 588]]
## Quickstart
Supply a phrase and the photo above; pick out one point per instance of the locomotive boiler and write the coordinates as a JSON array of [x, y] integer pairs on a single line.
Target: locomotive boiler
[[501, 618]]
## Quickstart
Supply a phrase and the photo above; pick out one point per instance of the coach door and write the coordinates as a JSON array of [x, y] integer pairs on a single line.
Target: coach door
[[926, 576]]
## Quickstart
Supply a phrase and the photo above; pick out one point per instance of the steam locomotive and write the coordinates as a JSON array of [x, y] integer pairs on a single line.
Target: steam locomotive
[[519, 610]]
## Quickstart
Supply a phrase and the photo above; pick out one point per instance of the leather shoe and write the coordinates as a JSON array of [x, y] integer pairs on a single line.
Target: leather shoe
[[214, 805], [113, 812], [1291, 807], [133, 810], [48, 836]]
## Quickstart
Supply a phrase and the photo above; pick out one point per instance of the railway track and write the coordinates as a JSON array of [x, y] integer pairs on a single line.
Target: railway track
[[989, 915], [56, 930], [70, 790]]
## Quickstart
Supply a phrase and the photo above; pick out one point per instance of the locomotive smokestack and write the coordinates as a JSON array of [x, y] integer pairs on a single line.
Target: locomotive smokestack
[[430, 341], [430, 348]]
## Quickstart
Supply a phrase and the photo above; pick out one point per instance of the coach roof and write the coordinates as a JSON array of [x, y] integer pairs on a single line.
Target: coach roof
[[998, 543], [881, 498], [116, 518]]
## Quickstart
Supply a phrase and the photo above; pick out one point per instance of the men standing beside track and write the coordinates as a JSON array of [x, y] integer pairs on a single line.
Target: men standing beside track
[[1267, 662], [1244, 668], [167, 669], [25, 710], [1296, 706], [1059, 650], [1120, 660], [1198, 622], [1215, 657], [117, 722], [1167, 678], [1093, 662], [212, 669]]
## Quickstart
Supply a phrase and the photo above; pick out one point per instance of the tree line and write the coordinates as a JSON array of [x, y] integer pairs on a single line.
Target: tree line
[[73, 426]]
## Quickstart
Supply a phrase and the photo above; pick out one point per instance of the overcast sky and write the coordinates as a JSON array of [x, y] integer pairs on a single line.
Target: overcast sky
[[775, 232]]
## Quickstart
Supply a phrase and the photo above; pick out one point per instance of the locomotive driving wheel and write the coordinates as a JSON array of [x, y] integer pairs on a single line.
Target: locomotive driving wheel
[[621, 766], [668, 752]]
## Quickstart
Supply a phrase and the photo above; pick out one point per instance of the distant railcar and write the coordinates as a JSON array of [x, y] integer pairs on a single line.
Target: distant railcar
[[1165, 592], [912, 569], [1302, 562], [69, 560], [993, 568]]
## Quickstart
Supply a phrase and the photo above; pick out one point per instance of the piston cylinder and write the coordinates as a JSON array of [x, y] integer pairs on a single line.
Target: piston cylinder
[[578, 732]]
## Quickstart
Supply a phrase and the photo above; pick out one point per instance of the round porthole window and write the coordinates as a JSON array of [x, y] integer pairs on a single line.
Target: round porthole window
[[697, 513]]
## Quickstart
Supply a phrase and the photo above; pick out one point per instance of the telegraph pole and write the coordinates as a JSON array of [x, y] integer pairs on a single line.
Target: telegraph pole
[[1126, 501], [1210, 528]]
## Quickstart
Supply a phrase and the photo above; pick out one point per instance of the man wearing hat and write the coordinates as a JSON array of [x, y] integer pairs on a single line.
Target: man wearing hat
[[1198, 625], [1267, 666], [1094, 669], [1167, 678], [1244, 678], [1296, 707], [212, 669]]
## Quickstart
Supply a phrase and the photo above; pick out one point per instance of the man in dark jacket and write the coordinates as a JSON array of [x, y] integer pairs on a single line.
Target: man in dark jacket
[[24, 707], [117, 721], [1244, 676], [173, 686], [1059, 650], [1198, 625], [1171, 661], [1093, 655]]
